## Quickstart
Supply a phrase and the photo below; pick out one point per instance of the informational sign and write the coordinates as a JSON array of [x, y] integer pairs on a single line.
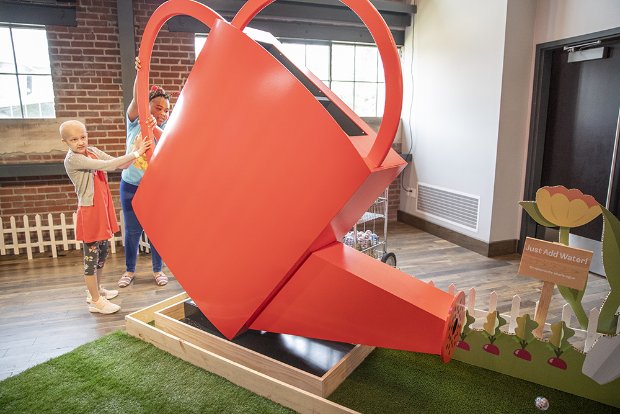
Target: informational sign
[[556, 263]]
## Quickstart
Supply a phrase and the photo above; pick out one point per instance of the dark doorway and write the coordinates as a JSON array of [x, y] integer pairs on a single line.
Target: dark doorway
[[573, 134], [584, 99]]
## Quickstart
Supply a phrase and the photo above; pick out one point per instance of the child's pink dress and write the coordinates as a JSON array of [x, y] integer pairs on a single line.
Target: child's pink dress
[[97, 222]]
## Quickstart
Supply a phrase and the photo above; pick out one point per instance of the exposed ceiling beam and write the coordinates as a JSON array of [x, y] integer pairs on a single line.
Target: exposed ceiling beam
[[43, 13]]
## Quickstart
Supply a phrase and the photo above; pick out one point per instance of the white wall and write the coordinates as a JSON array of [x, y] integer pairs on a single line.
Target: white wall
[[471, 95], [458, 58], [561, 19], [514, 120]]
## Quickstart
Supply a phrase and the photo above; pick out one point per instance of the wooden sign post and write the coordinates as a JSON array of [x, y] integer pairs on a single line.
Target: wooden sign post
[[553, 263]]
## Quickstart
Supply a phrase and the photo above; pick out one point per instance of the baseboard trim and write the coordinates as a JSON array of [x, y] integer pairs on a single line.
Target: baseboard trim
[[497, 248]]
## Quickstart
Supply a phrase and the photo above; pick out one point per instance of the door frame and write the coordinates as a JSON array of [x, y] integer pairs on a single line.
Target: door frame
[[538, 121]]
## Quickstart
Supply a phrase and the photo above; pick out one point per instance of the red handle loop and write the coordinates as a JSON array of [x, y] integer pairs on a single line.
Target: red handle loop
[[391, 67], [164, 12]]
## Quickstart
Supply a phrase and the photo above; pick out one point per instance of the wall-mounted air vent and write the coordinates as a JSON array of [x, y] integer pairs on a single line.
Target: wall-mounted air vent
[[448, 205]]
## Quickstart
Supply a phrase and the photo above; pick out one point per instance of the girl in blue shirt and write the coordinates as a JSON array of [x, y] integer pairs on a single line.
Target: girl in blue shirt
[[159, 103]]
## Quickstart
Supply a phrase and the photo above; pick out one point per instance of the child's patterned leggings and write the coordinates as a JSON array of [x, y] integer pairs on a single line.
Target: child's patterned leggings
[[95, 254]]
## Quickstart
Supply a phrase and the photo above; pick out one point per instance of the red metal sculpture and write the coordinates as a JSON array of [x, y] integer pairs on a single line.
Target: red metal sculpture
[[260, 172]]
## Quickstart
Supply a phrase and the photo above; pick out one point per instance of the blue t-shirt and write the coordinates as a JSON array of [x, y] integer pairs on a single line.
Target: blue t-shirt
[[133, 175]]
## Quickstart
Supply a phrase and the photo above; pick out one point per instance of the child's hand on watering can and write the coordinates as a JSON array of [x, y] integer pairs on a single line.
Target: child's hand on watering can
[[151, 122], [141, 145]]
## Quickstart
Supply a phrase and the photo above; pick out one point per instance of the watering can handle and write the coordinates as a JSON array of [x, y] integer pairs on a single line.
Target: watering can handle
[[391, 67], [164, 12]]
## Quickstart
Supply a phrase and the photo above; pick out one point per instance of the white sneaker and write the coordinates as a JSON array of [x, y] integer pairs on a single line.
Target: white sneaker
[[103, 306], [108, 294]]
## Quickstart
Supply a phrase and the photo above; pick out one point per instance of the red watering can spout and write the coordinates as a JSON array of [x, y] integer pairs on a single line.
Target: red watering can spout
[[274, 260]]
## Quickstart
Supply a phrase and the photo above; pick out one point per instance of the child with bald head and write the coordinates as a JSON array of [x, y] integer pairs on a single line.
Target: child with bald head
[[96, 219]]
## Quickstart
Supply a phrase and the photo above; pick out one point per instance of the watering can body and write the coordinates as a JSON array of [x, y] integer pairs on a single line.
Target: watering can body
[[252, 186]]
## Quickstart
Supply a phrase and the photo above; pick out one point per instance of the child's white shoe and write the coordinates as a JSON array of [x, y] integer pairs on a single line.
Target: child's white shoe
[[103, 306], [108, 294]]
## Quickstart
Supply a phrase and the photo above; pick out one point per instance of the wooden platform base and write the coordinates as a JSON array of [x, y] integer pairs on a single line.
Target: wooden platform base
[[301, 391]]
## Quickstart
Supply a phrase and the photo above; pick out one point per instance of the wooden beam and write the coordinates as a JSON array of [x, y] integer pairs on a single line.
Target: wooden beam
[[168, 320], [44, 14], [261, 384]]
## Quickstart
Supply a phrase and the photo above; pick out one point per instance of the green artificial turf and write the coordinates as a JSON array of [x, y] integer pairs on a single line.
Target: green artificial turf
[[121, 374], [403, 382]]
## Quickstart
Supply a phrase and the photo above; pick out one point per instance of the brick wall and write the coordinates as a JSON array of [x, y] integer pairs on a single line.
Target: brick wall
[[36, 195], [86, 72], [393, 199]]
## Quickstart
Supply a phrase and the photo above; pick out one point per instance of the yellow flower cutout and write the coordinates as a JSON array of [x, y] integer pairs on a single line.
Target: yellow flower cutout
[[566, 208]]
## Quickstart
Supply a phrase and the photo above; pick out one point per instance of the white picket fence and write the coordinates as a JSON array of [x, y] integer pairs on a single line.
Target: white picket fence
[[42, 236], [588, 336]]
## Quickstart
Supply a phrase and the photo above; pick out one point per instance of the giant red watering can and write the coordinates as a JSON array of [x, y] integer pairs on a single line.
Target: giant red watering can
[[260, 172]]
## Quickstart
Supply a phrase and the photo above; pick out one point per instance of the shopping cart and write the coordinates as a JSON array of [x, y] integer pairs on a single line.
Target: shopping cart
[[366, 233]]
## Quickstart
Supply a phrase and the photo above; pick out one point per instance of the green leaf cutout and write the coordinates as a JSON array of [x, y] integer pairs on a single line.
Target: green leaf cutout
[[525, 326], [560, 334], [466, 326], [493, 323], [608, 319], [573, 297], [532, 209]]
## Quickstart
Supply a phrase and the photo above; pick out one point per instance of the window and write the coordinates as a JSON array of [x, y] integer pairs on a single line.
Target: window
[[199, 42], [352, 71], [25, 74]]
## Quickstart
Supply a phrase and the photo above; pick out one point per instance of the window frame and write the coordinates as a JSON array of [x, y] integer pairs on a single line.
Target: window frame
[[378, 112], [17, 73]]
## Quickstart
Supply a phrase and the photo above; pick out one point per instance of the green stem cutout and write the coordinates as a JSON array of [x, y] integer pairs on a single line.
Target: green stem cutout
[[573, 296], [608, 319]]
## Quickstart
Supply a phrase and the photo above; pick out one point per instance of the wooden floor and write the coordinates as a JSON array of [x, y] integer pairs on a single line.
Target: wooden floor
[[43, 312]]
